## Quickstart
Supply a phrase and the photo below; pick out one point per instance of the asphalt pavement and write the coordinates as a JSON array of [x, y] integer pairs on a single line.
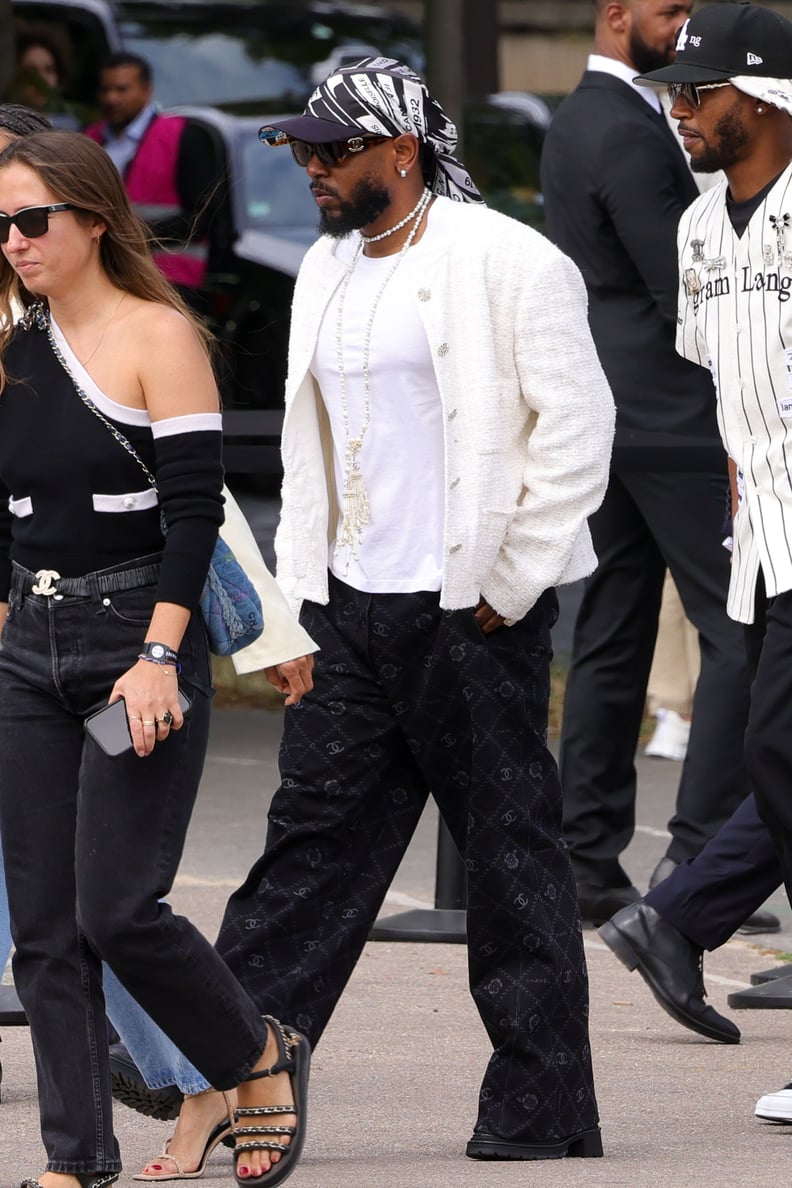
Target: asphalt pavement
[[394, 1087]]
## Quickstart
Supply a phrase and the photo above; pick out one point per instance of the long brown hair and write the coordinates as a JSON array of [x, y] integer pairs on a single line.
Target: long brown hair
[[79, 171]]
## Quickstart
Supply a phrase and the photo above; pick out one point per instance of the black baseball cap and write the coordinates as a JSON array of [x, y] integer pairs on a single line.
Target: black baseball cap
[[724, 41]]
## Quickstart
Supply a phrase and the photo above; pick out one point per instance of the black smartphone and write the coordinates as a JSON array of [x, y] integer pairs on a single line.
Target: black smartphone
[[109, 726]]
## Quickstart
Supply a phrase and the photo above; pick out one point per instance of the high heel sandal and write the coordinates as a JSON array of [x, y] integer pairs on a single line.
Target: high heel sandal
[[222, 1131], [86, 1180], [294, 1057]]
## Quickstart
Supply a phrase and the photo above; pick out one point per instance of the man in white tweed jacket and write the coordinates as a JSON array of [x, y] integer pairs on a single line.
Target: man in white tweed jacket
[[447, 433]]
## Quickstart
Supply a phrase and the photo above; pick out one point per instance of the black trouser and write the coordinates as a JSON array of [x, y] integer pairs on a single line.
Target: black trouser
[[91, 844], [768, 739], [649, 522], [709, 897], [409, 700]]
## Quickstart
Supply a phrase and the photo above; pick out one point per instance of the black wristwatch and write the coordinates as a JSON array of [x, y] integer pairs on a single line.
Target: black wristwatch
[[160, 653]]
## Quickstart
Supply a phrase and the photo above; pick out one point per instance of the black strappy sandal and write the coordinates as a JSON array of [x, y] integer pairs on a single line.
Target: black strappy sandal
[[86, 1179], [294, 1057]]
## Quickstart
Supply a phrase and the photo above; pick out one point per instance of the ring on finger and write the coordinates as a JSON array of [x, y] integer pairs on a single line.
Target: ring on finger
[[146, 722], [166, 718]]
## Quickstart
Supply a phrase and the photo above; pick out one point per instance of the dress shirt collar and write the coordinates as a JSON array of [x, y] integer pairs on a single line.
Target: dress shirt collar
[[626, 74], [122, 146]]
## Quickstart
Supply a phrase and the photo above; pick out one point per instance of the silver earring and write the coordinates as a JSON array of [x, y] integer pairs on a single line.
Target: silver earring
[[402, 173], [759, 110]]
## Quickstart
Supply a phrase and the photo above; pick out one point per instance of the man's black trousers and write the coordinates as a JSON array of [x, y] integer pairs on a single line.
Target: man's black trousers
[[410, 699], [650, 521]]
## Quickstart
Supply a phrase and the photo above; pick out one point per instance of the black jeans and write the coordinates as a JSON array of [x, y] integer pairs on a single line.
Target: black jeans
[[91, 844], [411, 699]]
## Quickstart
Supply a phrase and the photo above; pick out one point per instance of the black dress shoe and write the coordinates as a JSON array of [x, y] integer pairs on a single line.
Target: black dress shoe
[[598, 904], [671, 966], [775, 995], [586, 1145], [130, 1088], [759, 921]]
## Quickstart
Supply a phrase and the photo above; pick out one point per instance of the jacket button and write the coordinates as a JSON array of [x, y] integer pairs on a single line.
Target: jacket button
[[442, 350], [455, 548], [424, 294], [454, 484], [452, 414]]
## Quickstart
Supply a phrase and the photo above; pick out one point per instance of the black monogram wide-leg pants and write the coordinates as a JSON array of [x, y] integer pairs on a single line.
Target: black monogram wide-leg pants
[[410, 700]]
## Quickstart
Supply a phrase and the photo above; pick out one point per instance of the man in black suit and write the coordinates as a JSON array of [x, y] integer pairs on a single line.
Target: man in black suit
[[615, 183]]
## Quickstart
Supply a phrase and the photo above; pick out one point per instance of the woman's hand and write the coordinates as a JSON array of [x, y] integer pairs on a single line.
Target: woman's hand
[[294, 678], [151, 692]]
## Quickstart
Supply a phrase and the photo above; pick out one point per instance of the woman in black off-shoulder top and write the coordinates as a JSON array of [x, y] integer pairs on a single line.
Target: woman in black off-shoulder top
[[99, 603]]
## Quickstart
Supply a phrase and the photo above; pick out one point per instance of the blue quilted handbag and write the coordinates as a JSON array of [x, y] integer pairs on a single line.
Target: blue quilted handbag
[[230, 606]]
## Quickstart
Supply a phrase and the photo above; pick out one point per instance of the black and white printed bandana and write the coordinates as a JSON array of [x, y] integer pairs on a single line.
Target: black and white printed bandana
[[385, 98]]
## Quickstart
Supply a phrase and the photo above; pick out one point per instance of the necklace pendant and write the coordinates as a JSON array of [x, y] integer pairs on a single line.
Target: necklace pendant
[[355, 510]]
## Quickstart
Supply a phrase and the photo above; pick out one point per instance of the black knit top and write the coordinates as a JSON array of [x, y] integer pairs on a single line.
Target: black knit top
[[74, 500]]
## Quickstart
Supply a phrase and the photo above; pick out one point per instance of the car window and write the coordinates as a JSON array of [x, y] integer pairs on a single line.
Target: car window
[[220, 67], [503, 146], [263, 58], [276, 189], [240, 56], [83, 39]]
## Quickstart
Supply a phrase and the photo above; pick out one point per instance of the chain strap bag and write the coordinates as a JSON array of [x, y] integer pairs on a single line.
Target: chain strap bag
[[229, 604]]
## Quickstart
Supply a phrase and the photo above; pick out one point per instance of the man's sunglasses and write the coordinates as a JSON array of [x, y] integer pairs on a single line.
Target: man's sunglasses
[[691, 92], [32, 221], [331, 153]]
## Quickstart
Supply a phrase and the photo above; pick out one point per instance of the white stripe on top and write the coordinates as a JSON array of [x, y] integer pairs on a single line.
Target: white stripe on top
[[187, 423]]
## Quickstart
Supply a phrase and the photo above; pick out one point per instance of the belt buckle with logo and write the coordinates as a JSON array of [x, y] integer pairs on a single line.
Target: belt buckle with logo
[[44, 584]]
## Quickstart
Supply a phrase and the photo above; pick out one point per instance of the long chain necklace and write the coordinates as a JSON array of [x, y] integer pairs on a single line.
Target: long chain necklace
[[85, 362], [355, 509]]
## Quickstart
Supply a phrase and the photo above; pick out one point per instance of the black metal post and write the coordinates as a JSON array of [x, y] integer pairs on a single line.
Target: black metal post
[[445, 922]]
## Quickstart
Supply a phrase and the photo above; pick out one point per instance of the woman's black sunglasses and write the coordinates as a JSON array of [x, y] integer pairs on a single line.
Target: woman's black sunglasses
[[32, 221], [331, 153]]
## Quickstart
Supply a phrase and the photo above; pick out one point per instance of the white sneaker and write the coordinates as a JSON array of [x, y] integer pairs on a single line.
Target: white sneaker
[[776, 1107], [670, 738]]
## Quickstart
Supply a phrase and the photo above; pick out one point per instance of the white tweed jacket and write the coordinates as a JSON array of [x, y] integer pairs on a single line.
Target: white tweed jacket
[[528, 414]]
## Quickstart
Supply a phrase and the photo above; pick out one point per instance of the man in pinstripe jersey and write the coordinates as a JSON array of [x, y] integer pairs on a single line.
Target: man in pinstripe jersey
[[732, 98]]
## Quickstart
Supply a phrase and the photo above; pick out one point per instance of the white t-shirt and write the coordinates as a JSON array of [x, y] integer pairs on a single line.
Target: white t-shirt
[[402, 454]]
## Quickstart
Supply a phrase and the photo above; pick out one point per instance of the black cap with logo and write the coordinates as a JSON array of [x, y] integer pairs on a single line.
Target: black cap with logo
[[728, 40]]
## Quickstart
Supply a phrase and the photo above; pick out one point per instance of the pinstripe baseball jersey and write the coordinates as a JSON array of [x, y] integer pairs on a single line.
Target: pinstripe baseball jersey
[[735, 317]]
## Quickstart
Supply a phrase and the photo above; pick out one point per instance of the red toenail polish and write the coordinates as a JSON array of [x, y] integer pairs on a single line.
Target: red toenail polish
[[244, 1171]]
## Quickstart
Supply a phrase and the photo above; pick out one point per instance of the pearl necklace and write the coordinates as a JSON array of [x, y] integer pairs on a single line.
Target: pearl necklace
[[355, 511], [392, 231]]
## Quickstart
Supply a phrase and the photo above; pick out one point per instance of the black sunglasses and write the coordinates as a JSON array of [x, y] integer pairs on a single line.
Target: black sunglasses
[[331, 153], [690, 92], [32, 221]]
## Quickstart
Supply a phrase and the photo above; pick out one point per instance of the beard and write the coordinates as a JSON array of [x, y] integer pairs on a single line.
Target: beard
[[368, 201], [730, 137], [645, 57]]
